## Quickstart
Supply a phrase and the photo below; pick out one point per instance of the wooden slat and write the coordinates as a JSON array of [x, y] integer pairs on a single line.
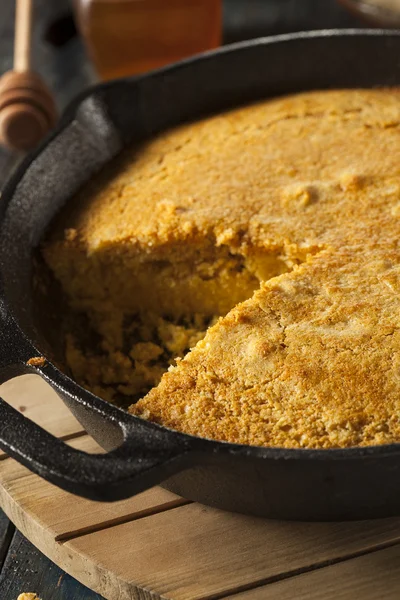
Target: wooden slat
[[64, 515], [187, 552], [27, 570], [197, 552], [37, 401], [374, 576]]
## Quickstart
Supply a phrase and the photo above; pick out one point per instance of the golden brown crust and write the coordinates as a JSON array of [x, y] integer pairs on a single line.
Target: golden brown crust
[[312, 359], [299, 365]]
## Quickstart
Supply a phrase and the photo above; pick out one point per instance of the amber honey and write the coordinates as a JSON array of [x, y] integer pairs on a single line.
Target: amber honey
[[127, 37]]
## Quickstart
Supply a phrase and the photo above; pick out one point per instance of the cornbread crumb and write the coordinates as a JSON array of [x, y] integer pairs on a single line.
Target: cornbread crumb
[[28, 596], [36, 361], [70, 234], [266, 239]]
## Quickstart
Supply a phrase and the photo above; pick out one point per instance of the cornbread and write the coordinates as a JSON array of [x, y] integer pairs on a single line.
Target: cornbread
[[267, 239]]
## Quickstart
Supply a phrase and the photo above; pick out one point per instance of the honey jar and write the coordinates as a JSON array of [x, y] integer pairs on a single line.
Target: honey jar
[[127, 37]]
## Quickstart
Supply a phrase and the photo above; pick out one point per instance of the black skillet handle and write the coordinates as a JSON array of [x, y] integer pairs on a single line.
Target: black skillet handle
[[133, 467], [146, 455]]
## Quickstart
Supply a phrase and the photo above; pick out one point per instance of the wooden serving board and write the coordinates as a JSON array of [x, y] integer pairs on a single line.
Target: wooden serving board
[[158, 545]]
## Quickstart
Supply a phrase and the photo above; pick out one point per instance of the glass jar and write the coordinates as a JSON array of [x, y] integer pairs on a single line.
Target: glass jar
[[126, 37]]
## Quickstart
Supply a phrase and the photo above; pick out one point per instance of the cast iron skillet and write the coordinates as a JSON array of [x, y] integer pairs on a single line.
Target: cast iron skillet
[[293, 484]]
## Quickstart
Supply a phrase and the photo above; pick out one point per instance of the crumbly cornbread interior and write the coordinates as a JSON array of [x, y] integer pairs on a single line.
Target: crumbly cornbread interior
[[146, 314], [267, 240]]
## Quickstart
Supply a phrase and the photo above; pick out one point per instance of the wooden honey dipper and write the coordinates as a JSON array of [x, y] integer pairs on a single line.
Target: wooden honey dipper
[[27, 108]]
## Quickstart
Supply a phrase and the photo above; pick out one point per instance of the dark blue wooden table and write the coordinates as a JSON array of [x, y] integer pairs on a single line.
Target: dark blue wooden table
[[60, 57]]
